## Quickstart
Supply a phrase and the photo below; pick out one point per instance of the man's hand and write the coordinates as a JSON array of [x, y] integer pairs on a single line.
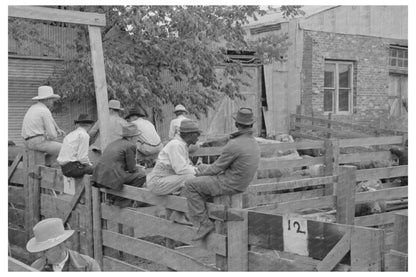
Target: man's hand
[[200, 168], [60, 132]]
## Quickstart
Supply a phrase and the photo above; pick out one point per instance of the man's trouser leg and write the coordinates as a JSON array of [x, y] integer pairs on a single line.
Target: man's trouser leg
[[50, 147], [197, 190], [167, 185], [76, 169], [136, 179]]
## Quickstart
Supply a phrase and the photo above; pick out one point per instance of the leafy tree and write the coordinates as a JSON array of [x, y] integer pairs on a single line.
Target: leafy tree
[[149, 49]]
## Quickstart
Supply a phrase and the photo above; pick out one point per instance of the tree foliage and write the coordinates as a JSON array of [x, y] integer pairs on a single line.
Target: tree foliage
[[148, 50]]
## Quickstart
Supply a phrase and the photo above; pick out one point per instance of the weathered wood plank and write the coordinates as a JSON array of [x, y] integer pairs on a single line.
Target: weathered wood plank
[[309, 182], [349, 134], [237, 240], [41, 13], [382, 173], [97, 228], [113, 264], [269, 262], [365, 156], [16, 217], [367, 249], [160, 227], [293, 206], [153, 252], [51, 178], [400, 232], [265, 164], [375, 219], [100, 83], [168, 201], [383, 194], [396, 261], [88, 216], [18, 177], [263, 199], [16, 265], [13, 167], [57, 206], [336, 254], [17, 237], [345, 195], [16, 195], [370, 141], [298, 134]]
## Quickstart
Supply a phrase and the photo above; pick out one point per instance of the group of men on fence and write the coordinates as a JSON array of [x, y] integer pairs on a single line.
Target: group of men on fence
[[116, 165]]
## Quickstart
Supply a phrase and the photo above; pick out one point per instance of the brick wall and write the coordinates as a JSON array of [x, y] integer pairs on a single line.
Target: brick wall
[[370, 56]]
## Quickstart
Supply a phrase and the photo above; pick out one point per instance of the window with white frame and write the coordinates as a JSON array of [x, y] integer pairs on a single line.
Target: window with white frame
[[398, 57], [338, 87]]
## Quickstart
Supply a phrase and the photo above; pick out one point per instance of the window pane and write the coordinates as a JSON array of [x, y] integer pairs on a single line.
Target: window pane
[[405, 63], [393, 52], [400, 63], [405, 54], [329, 78], [401, 53], [393, 62], [344, 75], [343, 103], [328, 100]]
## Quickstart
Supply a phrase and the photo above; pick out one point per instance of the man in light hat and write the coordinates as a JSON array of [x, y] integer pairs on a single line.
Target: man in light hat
[[115, 124], [149, 143], [117, 165], [73, 157], [180, 112], [39, 129], [49, 238], [231, 173]]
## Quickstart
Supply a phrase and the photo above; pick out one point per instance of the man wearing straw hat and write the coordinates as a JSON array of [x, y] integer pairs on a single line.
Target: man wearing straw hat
[[115, 124], [117, 165], [73, 157], [180, 112], [39, 129], [231, 173], [49, 238]]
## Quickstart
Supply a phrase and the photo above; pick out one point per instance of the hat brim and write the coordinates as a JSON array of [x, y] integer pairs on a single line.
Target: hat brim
[[33, 246], [83, 121], [117, 109], [53, 96], [138, 114], [243, 123], [192, 131], [131, 135], [180, 111]]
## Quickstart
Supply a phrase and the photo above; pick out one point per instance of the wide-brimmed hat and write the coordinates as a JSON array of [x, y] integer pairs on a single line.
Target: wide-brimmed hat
[[48, 233], [130, 130], [136, 111], [115, 105], [45, 92], [189, 126], [244, 116], [180, 108], [83, 118]]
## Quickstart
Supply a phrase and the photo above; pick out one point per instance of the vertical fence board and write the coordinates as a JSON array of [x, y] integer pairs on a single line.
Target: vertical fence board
[[345, 195], [96, 212], [88, 216]]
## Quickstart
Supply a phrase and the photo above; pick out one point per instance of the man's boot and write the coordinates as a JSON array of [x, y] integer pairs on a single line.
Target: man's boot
[[180, 218], [206, 227]]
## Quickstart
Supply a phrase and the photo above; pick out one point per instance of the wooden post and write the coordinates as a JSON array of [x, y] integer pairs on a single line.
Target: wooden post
[[97, 230], [345, 192], [237, 242], [400, 232], [331, 162], [328, 135], [31, 161], [367, 249], [88, 216], [221, 228], [101, 95]]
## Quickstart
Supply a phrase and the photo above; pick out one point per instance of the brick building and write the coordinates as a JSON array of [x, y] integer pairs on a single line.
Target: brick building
[[350, 61]]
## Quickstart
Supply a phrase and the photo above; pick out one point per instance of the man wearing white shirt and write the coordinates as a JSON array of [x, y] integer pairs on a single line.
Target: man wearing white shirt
[[180, 112], [73, 157], [173, 166], [39, 129]]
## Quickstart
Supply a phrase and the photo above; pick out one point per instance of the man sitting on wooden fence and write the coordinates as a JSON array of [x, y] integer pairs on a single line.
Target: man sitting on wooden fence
[[180, 112], [149, 143], [231, 173], [73, 156], [49, 238], [39, 129], [117, 165]]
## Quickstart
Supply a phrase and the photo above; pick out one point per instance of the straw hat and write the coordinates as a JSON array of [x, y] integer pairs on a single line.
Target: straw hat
[[48, 233], [130, 130], [115, 105], [83, 118], [180, 108], [189, 126], [45, 92], [244, 116]]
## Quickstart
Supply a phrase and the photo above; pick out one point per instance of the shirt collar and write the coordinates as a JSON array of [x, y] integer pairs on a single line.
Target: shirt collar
[[60, 266], [242, 132]]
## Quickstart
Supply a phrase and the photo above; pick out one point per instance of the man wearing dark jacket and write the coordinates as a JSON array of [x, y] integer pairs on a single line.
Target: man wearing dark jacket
[[231, 173], [117, 165]]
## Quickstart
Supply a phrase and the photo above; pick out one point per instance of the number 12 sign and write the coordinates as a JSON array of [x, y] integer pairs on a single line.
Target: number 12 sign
[[295, 235]]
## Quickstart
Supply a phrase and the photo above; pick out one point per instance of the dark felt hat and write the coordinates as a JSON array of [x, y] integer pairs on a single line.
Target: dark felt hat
[[130, 130], [136, 111], [189, 126], [244, 116], [83, 118]]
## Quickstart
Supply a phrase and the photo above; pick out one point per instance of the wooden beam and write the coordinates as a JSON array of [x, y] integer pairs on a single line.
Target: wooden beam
[[309, 182], [370, 141], [74, 200], [336, 254], [16, 265], [365, 156], [367, 249], [101, 96], [271, 163], [345, 195], [375, 219], [400, 231], [96, 223], [113, 264], [88, 216], [383, 194], [382, 173], [265, 199], [48, 14], [13, 167], [237, 241], [293, 206]]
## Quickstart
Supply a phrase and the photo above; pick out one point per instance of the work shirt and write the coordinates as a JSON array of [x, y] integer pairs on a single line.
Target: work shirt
[[75, 147], [238, 162], [175, 156], [75, 262], [148, 134], [174, 126], [115, 125], [60, 266], [38, 120]]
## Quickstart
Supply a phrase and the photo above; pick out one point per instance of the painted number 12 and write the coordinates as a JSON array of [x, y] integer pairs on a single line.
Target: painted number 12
[[295, 224]]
